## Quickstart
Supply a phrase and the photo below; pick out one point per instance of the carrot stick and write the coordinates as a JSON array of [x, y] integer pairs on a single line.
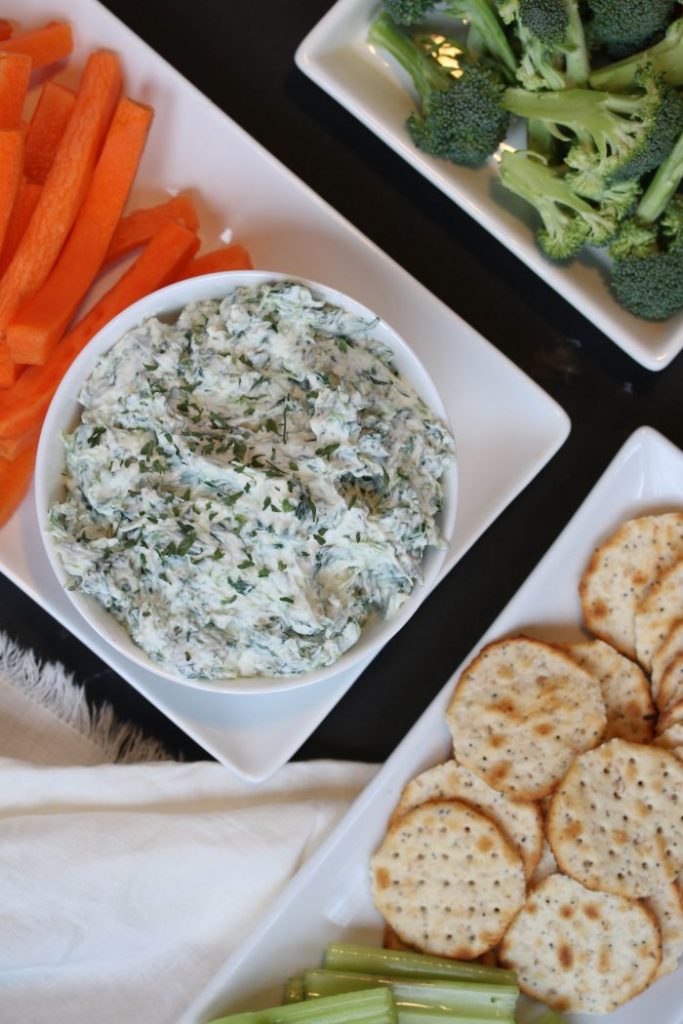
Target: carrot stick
[[22, 212], [39, 324], [138, 227], [15, 71], [15, 478], [46, 129], [11, 447], [23, 406], [43, 45], [5, 29], [9, 370], [65, 187], [230, 257], [11, 163]]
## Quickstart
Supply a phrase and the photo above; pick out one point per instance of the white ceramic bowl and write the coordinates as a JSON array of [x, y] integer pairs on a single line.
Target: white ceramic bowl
[[64, 413]]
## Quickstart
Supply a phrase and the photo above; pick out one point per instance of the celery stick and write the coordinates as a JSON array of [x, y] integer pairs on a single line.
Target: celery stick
[[435, 1015], [294, 990], [350, 956], [374, 1006], [465, 998], [551, 1018]]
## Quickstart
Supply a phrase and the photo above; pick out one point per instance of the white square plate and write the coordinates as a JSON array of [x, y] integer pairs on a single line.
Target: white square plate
[[370, 85], [506, 428], [330, 897]]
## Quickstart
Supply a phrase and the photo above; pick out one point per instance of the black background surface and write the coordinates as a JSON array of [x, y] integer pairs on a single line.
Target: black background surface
[[240, 53]]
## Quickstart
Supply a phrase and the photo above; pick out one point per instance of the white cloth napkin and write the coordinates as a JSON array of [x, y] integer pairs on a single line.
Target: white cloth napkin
[[123, 887]]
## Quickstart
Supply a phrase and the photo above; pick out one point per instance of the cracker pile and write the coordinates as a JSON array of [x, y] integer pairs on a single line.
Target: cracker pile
[[554, 837]]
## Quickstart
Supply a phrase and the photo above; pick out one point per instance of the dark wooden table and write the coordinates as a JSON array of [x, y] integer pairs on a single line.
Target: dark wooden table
[[240, 53]]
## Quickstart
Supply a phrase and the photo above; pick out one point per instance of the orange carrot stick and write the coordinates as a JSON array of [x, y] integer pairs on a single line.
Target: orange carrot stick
[[11, 163], [39, 324], [23, 406], [230, 257], [43, 45], [5, 29], [15, 478], [46, 129], [22, 212], [138, 227], [15, 71], [65, 187], [11, 447], [9, 370]]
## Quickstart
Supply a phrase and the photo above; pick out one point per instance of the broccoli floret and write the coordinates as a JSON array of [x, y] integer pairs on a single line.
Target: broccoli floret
[[620, 27], [665, 57], [647, 268], [460, 116], [553, 51], [408, 12], [615, 137], [480, 16], [647, 255], [569, 221]]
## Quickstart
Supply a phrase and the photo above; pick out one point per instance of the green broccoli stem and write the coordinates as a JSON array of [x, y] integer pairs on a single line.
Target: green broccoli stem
[[662, 187], [588, 113], [666, 58], [539, 139], [426, 73], [577, 63], [482, 16]]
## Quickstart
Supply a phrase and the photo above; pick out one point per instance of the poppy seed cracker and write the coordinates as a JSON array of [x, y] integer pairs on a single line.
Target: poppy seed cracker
[[628, 702], [621, 571], [580, 950], [446, 880], [616, 820], [658, 612], [521, 822], [520, 712]]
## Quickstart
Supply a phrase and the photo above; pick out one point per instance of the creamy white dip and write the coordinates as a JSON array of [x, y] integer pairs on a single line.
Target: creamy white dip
[[250, 484]]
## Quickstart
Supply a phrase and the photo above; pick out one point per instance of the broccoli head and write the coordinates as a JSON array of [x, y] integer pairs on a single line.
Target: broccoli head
[[551, 41], [460, 117], [481, 18], [665, 57], [569, 221], [647, 265], [614, 136], [408, 12], [620, 27]]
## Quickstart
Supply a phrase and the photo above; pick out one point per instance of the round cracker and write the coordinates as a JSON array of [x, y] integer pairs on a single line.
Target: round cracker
[[520, 712], [671, 646], [520, 822], [625, 690], [616, 820], [667, 906], [658, 612], [580, 950], [621, 571], [671, 686], [447, 880]]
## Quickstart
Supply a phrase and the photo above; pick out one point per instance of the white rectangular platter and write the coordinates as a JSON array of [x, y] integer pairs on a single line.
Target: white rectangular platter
[[330, 897], [506, 428], [371, 86]]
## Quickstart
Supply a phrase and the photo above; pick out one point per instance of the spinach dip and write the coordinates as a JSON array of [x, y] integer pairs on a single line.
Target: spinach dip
[[249, 485]]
